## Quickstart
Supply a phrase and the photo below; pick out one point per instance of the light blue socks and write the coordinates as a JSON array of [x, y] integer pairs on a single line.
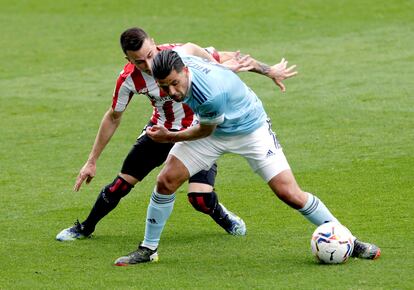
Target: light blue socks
[[159, 210], [316, 212]]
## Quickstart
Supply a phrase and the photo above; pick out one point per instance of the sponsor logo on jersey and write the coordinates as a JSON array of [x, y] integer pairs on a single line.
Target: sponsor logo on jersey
[[143, 91]]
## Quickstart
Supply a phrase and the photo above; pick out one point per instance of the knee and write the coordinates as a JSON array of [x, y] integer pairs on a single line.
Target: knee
[[166, 183], [287, 192], [204, 202], [290, 193], [116, 190]]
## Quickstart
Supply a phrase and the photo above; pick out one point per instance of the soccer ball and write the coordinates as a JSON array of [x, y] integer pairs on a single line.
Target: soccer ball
[[332, 243]]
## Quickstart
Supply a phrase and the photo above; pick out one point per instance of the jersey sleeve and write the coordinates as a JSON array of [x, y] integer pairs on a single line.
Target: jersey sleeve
[[210, 50], [213, 52], [123, 93]]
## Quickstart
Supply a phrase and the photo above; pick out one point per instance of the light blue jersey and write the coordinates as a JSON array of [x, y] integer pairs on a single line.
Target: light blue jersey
[[219, 96]]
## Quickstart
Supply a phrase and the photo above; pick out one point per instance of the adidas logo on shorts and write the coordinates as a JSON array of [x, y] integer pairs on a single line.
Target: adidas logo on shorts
[[270, 153]]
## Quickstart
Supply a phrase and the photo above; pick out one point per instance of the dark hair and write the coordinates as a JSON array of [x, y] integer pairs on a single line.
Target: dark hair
[[165, 62], [132, 39]]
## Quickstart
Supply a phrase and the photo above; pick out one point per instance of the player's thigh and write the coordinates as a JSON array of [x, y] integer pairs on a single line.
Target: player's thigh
[[197, 155], [144, 156], [263, 152], [129, 178], [172, 176]]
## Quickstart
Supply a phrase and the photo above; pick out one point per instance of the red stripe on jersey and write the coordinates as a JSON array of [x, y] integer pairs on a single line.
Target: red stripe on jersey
[[215, 55], [118, 85], [163, 93], [189, 116], [155, 114], [169, 114], [138, 80]]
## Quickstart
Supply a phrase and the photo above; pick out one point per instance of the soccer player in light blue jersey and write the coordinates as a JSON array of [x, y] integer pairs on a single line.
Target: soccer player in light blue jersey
[[232, 119], [229, 104]]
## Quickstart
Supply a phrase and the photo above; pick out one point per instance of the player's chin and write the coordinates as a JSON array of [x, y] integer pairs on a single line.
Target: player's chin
[[177, 98]]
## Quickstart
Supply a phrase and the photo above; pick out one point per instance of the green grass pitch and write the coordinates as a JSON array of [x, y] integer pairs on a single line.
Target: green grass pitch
[[346, 123]]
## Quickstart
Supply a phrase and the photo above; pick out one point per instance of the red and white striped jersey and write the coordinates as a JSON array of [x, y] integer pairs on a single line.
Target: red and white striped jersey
[[166, 112]]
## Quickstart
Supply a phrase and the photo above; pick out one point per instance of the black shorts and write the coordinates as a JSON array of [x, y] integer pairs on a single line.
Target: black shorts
[[146, 154]]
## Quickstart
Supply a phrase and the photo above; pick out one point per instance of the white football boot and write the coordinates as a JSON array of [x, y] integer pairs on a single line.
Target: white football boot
[[73, 233], [232, 223]]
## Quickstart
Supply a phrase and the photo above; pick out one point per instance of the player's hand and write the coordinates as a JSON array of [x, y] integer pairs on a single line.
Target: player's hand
[[280, 72], [158, 133], [239, 63], [87, 173]]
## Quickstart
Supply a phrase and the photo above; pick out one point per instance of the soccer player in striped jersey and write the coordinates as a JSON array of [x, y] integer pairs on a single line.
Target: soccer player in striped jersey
[[231, 120], [145, 154]]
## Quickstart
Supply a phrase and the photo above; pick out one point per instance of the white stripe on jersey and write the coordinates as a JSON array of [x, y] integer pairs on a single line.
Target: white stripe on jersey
[[152, 87]]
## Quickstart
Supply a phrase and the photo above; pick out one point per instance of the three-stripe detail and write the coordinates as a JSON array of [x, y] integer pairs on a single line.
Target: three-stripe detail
[[313, 206], [162, 199], [198, 96]]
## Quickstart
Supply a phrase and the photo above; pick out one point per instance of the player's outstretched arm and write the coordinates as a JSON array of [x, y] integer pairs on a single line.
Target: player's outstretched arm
[[236, 64], [194, 49], [278, 72], [107, 128]]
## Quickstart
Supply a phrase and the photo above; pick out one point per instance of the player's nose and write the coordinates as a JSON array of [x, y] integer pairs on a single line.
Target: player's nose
[[148, 64], [171, 90]]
